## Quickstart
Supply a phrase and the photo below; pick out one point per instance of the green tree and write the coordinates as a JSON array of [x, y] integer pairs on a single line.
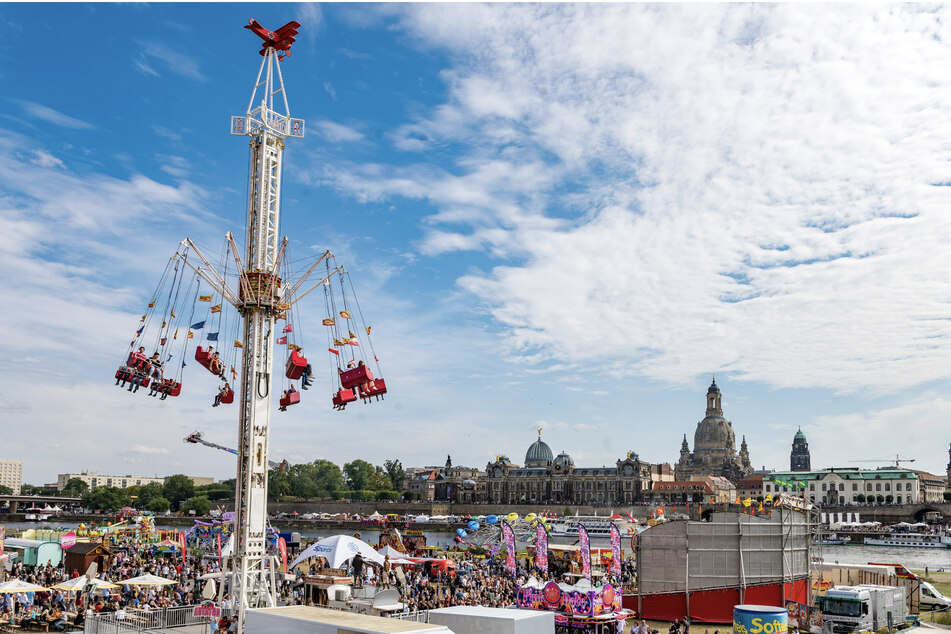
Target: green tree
[[5, 490], [218, 491], [105, 499], [947, 496], [158, 504], [177, 489], [889, 498], [360, 475], [148, 492], [381, 481], [879, 498], [860, 498], [75, 487], [200, 504], [396, 474], [30, 489]]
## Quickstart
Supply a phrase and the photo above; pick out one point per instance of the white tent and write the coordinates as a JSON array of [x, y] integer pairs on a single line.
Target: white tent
[[392, 552], [376, 516], [338, 550]]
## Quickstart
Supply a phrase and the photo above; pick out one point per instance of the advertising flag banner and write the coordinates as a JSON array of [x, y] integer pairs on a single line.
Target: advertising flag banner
[[181, 540], [585, 544], [615, 550], [541, 548], [219, 549], [282, 546], [508, 538]]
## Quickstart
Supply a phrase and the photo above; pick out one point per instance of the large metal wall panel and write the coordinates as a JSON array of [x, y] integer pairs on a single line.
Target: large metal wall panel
[[733, 549]]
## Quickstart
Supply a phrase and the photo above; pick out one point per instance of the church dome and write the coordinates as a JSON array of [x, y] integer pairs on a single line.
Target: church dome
[[538, 454], [564, 461], [713, 389], [799, 435]]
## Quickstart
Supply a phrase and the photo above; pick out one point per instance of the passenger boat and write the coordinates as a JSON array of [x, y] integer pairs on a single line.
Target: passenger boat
[[830, 539], [564, 530], [905, 539]]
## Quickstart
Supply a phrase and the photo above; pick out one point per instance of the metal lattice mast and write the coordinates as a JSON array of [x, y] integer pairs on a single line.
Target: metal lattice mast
[[260, 302]]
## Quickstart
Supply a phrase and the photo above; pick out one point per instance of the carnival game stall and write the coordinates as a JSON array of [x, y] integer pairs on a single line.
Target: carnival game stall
[[578, 608]]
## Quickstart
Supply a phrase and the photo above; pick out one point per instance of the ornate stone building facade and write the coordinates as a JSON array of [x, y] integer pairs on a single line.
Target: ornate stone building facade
[[714, 446], [799, 459], [549, 479]]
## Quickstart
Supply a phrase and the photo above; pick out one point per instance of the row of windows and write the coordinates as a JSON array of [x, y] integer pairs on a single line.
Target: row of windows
[[855, 487]]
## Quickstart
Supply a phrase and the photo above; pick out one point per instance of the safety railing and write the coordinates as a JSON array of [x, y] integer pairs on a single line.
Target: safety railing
[[146, 621]]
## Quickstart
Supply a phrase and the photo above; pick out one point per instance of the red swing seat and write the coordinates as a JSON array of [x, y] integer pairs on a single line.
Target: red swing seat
[[146, 382], [295, 366], [342, 397], [137, 360], [228, 397], [174, 388], [378, 390], [124, 376], [355, 376], [202, 356], [291, 398]]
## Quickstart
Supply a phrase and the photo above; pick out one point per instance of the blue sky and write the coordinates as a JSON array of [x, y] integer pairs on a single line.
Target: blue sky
[[559, 216]]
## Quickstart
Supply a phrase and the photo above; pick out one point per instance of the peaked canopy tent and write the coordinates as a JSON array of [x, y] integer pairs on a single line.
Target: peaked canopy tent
[[392, 552], [339, 550]]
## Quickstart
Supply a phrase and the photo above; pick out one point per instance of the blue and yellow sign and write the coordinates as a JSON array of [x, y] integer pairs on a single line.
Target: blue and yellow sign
[[759, 619]]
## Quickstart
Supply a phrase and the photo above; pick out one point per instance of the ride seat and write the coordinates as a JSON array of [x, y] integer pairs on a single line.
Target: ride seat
[[174, 388], [291, 398], [228, 397], [342, 397], [295, 366], [378, 390], [124, 376], [356, 376], [202, 356]]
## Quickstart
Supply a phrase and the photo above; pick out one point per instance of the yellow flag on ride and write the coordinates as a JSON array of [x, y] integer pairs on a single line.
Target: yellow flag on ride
[[747, 502], [352, 336], [337, 342], [234, 374], [293, 347], [216, 308], [142, 318], [368, 329], [328, 322], [238, 344], [190, 334], [175, 336], [345, 314], [173, 313], [204, 298], [152, 304], [163, 323]]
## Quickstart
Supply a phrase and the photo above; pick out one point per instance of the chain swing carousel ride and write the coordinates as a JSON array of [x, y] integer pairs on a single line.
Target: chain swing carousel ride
[[253, 302]]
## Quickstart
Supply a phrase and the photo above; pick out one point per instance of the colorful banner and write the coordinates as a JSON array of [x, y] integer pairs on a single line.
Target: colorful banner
[[585, 544], [219, 549], [67, 540], [551, 596], [282, 546], [541, 549], [181, 540], [508, 538], [615, 550]]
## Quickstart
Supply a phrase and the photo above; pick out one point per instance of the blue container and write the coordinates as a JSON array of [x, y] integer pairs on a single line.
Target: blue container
[[759, 619]]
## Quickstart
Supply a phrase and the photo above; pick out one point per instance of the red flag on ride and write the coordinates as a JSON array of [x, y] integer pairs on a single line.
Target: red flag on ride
[[288, 328], [336, 352], [354, 342], [281, 341]]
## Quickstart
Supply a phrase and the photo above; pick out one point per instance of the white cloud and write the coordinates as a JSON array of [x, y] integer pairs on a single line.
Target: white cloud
[[338, 133], [679, 189], [45, 159], [143, 449], [176, 61], [55, 117]]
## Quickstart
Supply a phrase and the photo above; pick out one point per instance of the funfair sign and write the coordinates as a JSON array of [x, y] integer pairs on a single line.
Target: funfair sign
[[588, 602]]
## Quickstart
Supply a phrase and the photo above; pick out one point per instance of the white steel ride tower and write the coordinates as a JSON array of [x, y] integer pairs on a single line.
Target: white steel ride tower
[[260, 299]]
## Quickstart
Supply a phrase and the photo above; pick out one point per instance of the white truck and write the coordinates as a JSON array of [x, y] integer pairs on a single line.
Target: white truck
[[864, 608]]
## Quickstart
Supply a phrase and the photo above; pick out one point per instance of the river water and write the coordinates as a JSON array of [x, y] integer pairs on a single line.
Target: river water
[[914, 558]]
